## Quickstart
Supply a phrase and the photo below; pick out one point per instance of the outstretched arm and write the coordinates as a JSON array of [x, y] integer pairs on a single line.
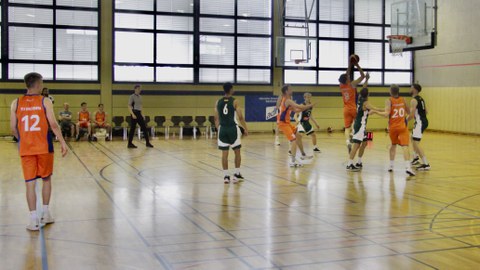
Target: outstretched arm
[[386, 112], [297, 107], [315, 122]]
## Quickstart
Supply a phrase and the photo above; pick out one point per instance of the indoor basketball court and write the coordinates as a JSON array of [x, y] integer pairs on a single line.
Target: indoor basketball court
[[136, 95]]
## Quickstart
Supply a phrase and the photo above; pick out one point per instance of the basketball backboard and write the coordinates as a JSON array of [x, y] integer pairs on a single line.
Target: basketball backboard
[[416, 19], [294, 51]]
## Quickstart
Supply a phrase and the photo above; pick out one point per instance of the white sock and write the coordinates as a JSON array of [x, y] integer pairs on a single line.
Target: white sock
[[407, 164], [350, 162], [45, 208], [237, 171], [415, 155], [359, 160], [315, 147], [225, 172], [425, 161], [293, 158], [33, 215], [392, 162]]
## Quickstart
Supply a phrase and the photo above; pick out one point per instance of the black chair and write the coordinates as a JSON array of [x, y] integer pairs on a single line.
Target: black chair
[[188, 128], [176, 120], [200, 120], [211, 119], [160, 121], [117, 128]]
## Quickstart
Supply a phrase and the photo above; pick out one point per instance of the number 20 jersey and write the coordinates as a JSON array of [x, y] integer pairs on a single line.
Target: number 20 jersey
[[398, 112], [32, 126]]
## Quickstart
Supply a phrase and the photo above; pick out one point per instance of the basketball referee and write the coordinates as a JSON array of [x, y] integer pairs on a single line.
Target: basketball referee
[[135, 109]]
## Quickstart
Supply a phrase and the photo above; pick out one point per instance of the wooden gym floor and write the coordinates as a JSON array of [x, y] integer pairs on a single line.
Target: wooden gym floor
[[167, 208]]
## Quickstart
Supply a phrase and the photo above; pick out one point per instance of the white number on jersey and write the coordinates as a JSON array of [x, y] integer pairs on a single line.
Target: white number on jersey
[[398, 113], [34, 127], [225, 109]]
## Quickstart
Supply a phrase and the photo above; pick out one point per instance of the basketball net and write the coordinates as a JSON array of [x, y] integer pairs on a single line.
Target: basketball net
[[397, 46], [398, 43]]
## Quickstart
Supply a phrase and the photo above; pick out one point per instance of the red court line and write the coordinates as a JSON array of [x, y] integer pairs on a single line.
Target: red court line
[[452, 65]]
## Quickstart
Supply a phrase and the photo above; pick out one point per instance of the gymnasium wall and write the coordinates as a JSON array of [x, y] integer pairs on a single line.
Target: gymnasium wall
[[329, 112], [450, 72]]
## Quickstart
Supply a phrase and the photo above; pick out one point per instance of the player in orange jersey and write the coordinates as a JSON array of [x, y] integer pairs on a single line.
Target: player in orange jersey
[[30, 119], [349, 95], [100, 120], [286, 106], [84, 122], [396, 109]]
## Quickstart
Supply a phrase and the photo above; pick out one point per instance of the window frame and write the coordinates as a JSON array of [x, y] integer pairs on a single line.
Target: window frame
[[196, 15], [351, 39], [5, 25]]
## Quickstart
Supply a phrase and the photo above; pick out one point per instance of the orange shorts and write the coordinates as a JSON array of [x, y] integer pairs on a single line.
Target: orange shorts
[[349, 116], [84, 125], [400, 136], [289, 130], [37, 166]]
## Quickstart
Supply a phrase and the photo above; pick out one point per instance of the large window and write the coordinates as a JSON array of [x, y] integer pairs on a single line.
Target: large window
[[193, 41], [335, 34], [58, 39]]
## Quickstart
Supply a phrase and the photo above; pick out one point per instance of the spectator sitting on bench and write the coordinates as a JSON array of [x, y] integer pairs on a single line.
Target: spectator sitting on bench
[[100, 121], [65, 121], [84, 122]]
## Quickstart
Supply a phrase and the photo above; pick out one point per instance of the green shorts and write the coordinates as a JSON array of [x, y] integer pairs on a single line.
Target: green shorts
[[229, 137]]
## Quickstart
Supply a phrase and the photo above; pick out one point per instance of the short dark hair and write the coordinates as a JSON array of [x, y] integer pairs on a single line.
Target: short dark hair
[[364, 92], [136, 86], [83, 103], [394, 89], [343, 78], [285, 88], [31, 78], [101, 104], [417, 87], [227, 87]]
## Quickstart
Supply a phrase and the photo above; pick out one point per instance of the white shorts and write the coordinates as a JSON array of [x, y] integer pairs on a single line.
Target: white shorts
[[301, 129], [418, 129], [229, 137], [360, 135]]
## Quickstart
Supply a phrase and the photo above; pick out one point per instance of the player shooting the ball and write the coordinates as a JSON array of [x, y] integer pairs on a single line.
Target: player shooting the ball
[[349, 94]]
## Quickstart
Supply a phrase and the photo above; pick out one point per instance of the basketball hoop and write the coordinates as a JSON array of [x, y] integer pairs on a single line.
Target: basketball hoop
[[299, 61], [398, 43]]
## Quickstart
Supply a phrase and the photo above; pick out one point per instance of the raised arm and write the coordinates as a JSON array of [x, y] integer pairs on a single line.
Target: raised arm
[[13, 118], [356, 82], [241, 119]]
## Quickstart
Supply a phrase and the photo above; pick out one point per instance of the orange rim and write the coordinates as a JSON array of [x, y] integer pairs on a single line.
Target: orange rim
[[407, 39]]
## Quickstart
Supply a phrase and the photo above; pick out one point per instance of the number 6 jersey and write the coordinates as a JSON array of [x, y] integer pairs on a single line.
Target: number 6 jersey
[[32, 126], [226, 111]]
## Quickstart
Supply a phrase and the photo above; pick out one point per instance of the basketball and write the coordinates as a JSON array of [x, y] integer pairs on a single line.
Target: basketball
[[354, 59]]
